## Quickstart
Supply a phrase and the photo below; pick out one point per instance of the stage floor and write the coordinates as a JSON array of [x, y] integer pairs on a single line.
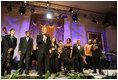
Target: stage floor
[[86, 73]]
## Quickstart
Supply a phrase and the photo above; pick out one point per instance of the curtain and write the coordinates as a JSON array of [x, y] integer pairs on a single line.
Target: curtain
[[55, 27]]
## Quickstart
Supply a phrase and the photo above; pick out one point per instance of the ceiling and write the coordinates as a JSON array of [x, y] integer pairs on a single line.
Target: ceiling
[[97, 6], [105, 11], [100, 7]]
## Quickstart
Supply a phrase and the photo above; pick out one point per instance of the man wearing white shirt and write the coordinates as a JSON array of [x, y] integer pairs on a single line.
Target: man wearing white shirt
[[27, 38], [44, 36], [25, 51], [78, 47], [44, 44], [78, 55]]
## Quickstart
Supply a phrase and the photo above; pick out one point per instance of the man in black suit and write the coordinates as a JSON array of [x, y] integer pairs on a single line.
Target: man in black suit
[[2, 44], [10, 42], [78, 55], [25, 51], [96, 50], [43, 41]]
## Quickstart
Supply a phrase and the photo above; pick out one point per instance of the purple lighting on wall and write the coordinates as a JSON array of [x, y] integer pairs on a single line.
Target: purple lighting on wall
[[105, 41], [78, 32], [20, 25]]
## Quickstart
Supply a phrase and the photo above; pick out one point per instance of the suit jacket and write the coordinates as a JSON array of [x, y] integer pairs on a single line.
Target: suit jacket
[[42, 46], [77, 52], [2, 44], [25, 46]]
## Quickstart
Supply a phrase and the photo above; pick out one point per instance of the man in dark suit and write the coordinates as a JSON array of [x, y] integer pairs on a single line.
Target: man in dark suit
[[43, 41], [2, 39], [96, 50], [78, 55], [25, 51], [10, 42], [2, 44]]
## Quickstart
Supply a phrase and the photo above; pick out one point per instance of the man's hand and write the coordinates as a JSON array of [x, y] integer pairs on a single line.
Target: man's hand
[[9, 50], [85, 62], [31, 53], [50, 51], [70, 56], [60, 51], [44, 38], [53, 48], [19, 52], [37, 48], [84, 59]]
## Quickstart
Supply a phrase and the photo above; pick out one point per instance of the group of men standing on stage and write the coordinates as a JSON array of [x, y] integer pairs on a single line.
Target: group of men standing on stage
[[52, 55]]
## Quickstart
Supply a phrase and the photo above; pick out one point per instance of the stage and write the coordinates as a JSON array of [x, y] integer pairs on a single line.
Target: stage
[[87, 74]]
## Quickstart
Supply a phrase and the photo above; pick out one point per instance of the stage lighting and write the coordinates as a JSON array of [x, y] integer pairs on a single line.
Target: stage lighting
[[47, 4], [32, 10], [65, 16], [25, 1], [9, 8], [71, 10], [75, 18], [22, 10], [49, 14], [60, 16], [93, 20]]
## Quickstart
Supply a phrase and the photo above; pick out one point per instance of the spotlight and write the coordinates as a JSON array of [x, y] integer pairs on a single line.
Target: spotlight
[[94, 21], [25, 1], [32, 10], [75, 18], [71, 10], [9, 8], [22, 10], [60, 16], [49, 14], [65, 16], [47, 4]]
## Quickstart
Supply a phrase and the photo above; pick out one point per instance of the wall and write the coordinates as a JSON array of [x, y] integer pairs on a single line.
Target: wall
[[78, 30], [111, 36]]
